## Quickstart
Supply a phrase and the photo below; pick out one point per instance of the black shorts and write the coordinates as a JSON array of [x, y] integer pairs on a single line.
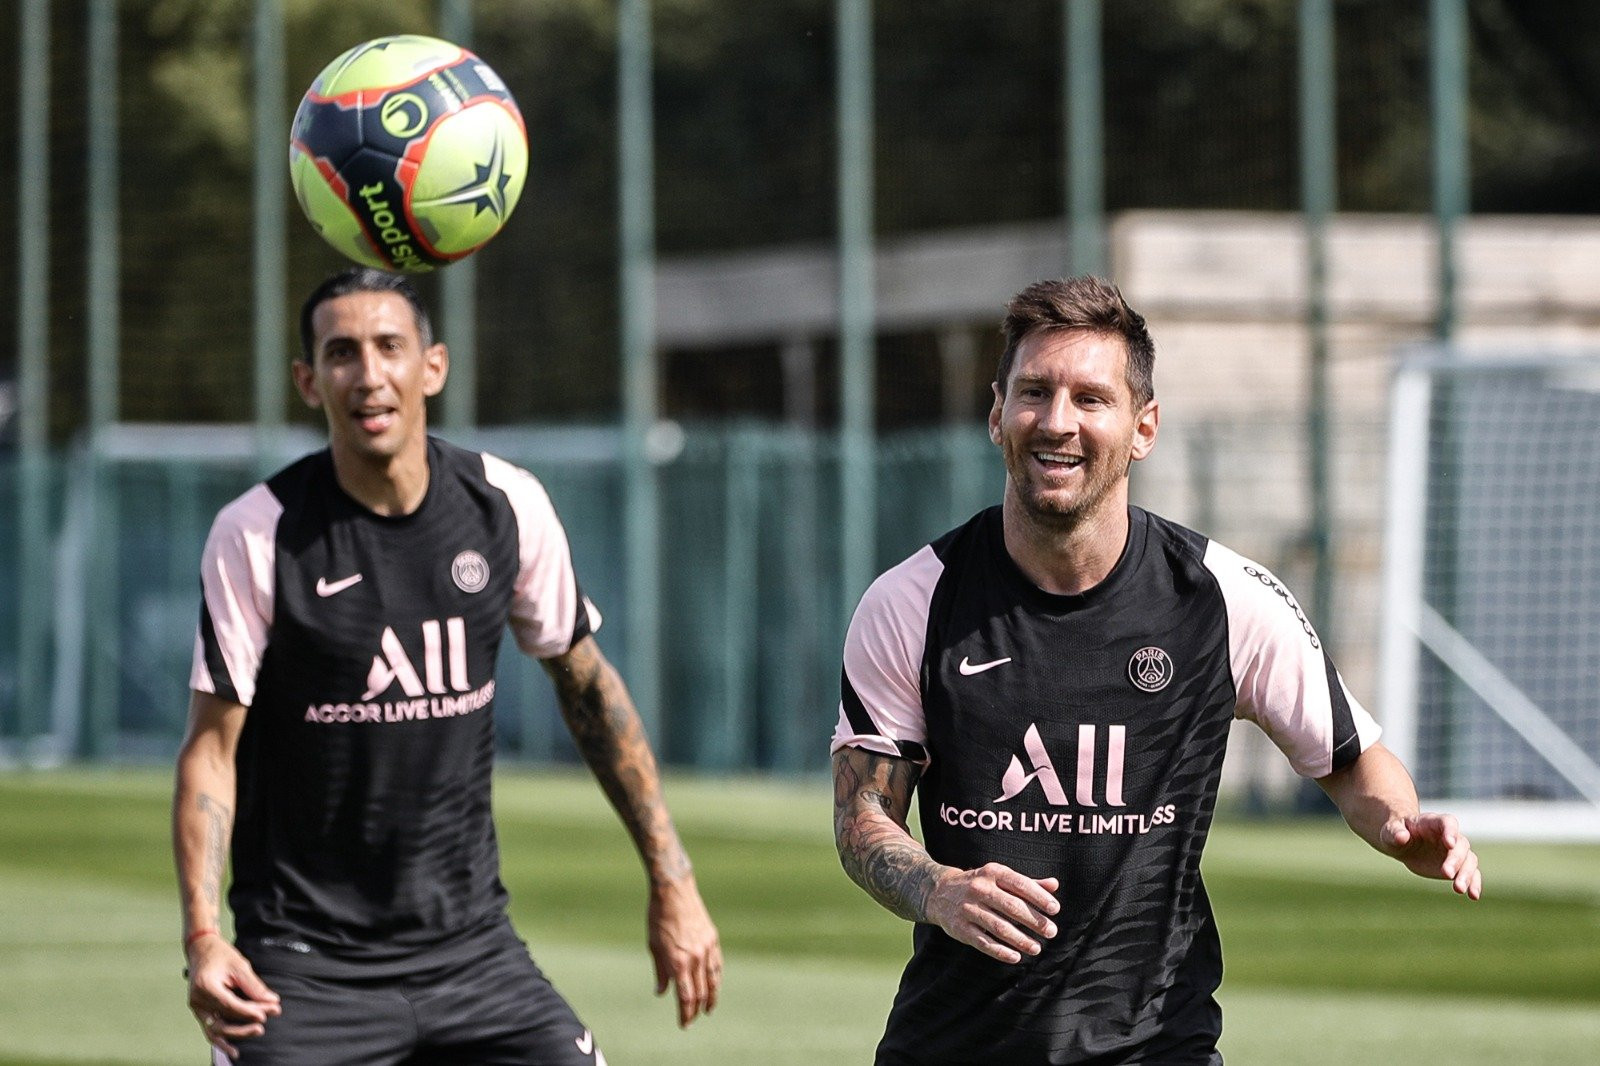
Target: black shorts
[[495, 1009]]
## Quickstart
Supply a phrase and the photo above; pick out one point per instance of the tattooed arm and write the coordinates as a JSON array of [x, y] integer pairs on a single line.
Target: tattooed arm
[[992, 908], [606, 728], [871, 799], [228, 1000]]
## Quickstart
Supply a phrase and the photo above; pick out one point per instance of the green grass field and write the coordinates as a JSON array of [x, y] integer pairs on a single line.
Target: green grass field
[[1334, 956]]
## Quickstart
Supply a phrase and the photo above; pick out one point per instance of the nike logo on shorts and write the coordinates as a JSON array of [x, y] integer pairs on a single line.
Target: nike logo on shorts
[[586, 1047], [326, 588], [968, 669]]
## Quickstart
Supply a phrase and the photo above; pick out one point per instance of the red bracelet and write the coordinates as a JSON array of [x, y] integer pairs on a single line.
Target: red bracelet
[[189, 940]]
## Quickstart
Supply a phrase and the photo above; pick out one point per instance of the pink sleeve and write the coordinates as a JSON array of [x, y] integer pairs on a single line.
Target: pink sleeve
[[547, 612], [237, 585], [1285, 681], [880, 707]]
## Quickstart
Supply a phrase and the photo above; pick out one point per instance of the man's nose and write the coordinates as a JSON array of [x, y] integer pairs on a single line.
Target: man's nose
[[371, 366], [1060, 414]]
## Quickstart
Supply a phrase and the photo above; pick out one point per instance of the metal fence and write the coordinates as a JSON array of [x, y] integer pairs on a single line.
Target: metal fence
[[750, 619]]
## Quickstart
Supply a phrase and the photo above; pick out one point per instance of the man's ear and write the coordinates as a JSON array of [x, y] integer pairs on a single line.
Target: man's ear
[[994, 412], [436, 368], [1145, 428], [305, 377]]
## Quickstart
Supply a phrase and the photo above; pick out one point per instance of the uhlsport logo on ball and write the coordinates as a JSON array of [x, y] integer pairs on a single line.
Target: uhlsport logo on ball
[[408, 153]]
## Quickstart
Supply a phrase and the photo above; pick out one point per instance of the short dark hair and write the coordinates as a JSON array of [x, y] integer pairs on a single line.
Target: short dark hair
[[361, 279], [1081, 303]]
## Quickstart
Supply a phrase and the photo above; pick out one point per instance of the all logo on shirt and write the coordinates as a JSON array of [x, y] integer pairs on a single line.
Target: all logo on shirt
[[441, 689], [1098, 783], [1017, 778], [392, 664]]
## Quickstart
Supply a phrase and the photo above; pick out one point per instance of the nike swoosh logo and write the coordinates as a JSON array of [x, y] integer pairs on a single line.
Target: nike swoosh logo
[[327, 588], [585, 1042], [968, 669]]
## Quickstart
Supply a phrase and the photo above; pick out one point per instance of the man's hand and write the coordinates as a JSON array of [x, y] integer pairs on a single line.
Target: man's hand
[[1378, 800], [1433, 845], [995, 909], [685, 947], [228, 1000]]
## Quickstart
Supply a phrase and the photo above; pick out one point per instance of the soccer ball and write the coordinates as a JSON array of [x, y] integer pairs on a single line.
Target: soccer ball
[[407, 153]]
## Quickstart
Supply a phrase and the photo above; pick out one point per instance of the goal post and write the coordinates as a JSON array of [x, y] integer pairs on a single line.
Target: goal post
[[1490, 659]]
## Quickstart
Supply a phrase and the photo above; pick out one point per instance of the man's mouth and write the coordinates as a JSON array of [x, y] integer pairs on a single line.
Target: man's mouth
[[375, 419], [1058, 460]]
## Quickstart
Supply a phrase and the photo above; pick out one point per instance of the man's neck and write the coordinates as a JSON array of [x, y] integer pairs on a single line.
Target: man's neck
[[394, 486], [1064, 558]]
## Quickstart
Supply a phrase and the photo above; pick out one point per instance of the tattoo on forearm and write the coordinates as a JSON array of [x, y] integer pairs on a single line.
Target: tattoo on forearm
[[606, 728], [871, 795], [219, 821]]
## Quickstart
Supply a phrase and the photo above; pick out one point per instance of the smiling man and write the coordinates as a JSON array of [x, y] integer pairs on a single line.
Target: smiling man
[[341, 738], [1055, 680]]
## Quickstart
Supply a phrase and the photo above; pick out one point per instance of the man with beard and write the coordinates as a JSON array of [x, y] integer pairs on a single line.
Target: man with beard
[[1056, 679]]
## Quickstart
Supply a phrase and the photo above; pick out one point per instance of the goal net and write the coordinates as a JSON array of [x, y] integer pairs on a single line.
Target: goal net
[[1491, 633]]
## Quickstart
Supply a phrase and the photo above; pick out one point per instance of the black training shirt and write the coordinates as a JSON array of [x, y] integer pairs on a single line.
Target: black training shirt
[[364, 647], [1081, 737]]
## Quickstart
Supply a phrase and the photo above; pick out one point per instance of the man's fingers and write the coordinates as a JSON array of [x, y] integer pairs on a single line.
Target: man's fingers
[[997, 927], [705, 972], [707, 967], [1012, 913], [1440, 827], [689, 991], [708, 978], [1020, 913], [1456, 857], [695, 977], [253, 988], [1468, 881], [1025, 888], [1018, 898], [236, 1009], [663, 972], [992, 947], [713, 980], [235, 1030], [219, 1031], [1433, 845]]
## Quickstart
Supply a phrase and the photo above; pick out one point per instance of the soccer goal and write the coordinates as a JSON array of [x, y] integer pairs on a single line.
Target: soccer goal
[[1491, 632]]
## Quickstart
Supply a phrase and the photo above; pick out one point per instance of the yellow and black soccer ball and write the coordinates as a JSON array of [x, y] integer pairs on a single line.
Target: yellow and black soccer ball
[[408, 153]]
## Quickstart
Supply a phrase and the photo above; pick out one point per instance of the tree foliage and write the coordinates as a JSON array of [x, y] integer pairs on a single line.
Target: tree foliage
[[1200, 111]]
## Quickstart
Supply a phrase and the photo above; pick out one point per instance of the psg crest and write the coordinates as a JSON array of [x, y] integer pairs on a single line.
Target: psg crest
[[470, 571], [1150, 669]]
